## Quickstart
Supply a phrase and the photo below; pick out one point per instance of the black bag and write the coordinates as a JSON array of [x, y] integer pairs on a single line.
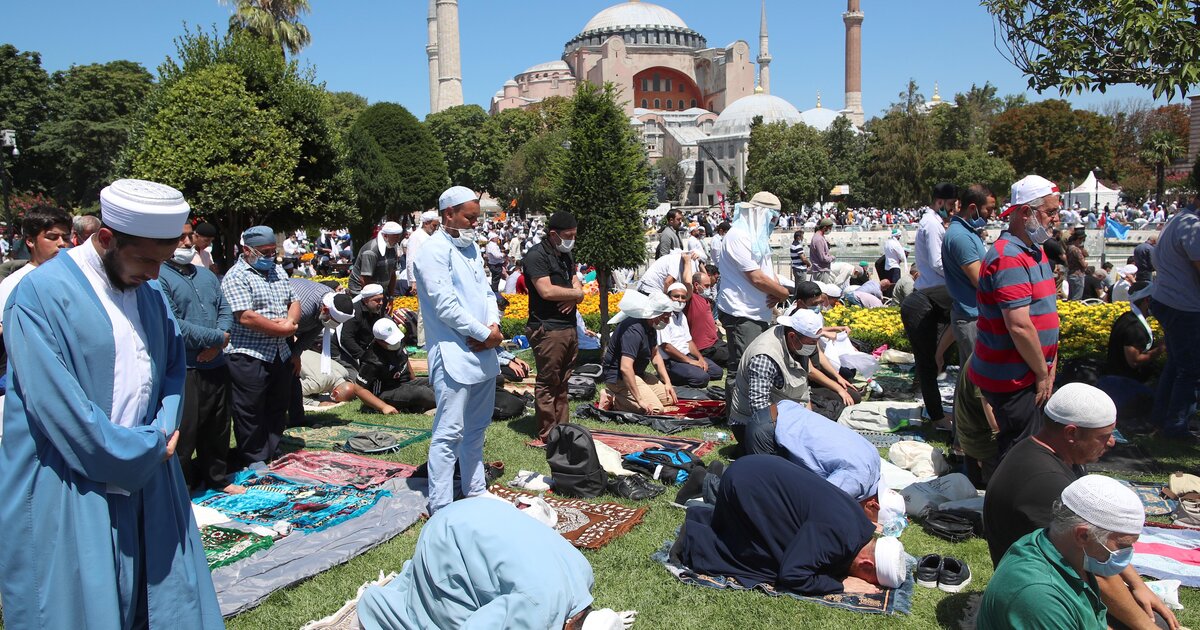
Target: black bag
[[371, 443], [952, 525], [574, 463], [581, 387], [507, 406]]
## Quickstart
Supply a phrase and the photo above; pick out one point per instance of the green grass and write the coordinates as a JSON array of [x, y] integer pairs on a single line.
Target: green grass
[[627, 578]]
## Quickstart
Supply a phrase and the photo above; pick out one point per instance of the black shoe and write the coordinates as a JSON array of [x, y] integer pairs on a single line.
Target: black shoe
[[692, 488], [928, 569], [652, 489], [632, 488], [717, 467], [954, 575]]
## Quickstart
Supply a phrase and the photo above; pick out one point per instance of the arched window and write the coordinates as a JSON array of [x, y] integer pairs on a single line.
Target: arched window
[[681, 87], [657, 104], [693, 102], [668, 86], [668, 103], [644, 105]]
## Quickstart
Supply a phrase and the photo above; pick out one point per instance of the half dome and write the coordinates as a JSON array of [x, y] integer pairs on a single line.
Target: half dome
[[738, 115]]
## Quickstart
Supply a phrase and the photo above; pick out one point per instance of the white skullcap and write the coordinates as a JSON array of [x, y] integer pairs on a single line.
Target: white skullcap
[[676, 286], [391, 227], [832, 290], [371, 290], [142, 208], [429, 215], [1081, 405], [803, 321], [1128, 270], [456, 195], [338, 316], [1105, 503], [891, 505], [891, 567], [764, 199], [642, 306], [603, 619], [387, 331]]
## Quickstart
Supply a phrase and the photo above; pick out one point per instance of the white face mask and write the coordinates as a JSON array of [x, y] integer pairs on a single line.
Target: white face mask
[[660, 325], [394, 346], [566, 246], [808, 349], [465, 238], [184, 255]]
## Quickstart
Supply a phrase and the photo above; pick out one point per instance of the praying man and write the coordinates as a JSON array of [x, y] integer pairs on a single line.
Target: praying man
[[98, 528]]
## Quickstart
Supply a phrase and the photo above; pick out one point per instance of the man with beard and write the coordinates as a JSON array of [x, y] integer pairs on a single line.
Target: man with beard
[[355, 335], [962, 254]]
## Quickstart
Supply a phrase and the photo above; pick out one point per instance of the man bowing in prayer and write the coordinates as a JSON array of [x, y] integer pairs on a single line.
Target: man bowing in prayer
[[98, 528]]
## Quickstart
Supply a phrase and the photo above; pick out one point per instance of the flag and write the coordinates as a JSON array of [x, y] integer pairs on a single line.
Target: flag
[[1112, 229]]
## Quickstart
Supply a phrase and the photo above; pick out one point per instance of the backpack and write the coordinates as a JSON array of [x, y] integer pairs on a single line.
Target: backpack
[[668, 465], [581, 387], [372, 443], [574, 463], [952, 525]]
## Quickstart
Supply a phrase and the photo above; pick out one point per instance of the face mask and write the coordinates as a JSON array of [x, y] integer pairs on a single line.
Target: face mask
[[262, 263], [1117, 561], [808, 349], [660, 325], [816, 308], [977, 223], [394, 346], [184, 255], [711, 294], [1038, 235], [566, 245], [464, 239]]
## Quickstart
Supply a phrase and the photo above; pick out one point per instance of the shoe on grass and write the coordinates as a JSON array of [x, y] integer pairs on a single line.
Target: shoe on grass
[[954, 576], [692, 488], [928, 569]]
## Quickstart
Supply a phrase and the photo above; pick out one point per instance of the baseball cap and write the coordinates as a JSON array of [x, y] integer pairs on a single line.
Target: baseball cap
[[1027, 189]]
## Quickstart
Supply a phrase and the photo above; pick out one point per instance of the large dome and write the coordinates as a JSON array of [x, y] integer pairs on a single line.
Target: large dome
[[737, 117], [819, 118], [633, 14]]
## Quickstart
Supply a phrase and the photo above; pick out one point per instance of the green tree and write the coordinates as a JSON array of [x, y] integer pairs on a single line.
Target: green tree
[[603, 180], [897, 147], [397, 165], [789, 161], [964, 168], [528, 175], [968, 123], [847, 150], [91, 113], [517, 126], [1078, 45], [1160, 149], [1053, 140], [24, 107], [554, 112], [277, 21], [472, 145], [669, 178], [342, 109]]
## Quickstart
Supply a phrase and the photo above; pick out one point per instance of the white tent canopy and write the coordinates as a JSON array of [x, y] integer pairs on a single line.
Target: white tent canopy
[[1092, 193], [660, 211]]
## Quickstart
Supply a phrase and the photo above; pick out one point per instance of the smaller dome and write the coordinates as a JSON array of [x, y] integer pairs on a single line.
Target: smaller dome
[[738, 115], [635, 121], [510, 83], [549, 66], [819, 118]]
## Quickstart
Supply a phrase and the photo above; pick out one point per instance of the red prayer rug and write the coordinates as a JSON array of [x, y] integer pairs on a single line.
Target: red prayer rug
[[339, 469]]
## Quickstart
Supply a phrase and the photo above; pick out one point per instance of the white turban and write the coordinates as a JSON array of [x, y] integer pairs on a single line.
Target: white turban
[[1081, 405], [142, 208], [371, 290], [803, 321], [1128, 270], [642, 306], [891, 565], [338, 316], [676, 286], [1106, 503], [891, 505], [429, 215]]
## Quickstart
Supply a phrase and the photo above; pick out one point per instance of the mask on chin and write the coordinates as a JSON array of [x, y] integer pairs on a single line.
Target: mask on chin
[[465, 238], [1038, 235], [183, 255]]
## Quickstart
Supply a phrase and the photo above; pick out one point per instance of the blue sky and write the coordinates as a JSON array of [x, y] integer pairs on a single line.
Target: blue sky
[[377, 47]]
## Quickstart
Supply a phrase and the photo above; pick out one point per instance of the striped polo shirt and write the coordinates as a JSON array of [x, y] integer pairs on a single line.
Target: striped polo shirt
[[1013, 275]]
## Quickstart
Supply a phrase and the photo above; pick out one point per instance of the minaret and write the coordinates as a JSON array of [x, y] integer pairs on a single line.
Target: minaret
[[853, 17], [450, 92], [764, 57], [432, 51]]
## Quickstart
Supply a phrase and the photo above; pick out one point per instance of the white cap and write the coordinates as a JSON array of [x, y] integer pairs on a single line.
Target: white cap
[[391, 227], [456, 195], [832, 290], [338, 316], [429, 215], [142, 208], [1106, 503], [891, 505], [676, 286], [371, 290], [891, 566], [1027, 189], [1081, 405], [603, 619], [764, 199], [1128, 270], [642, 306], [387, 331], [803, 321]]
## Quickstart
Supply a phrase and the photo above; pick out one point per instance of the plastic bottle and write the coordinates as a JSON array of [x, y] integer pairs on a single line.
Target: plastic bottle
[[716, 437], [895, 527]]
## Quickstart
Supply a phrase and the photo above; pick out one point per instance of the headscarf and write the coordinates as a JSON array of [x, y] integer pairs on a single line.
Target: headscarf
[[756, 221]]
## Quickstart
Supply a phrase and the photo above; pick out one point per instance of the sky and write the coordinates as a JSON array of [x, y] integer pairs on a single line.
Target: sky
[[376, 48]]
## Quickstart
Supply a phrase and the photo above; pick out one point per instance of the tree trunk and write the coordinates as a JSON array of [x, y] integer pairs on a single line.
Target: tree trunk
[[603, 281], [1162, 183]]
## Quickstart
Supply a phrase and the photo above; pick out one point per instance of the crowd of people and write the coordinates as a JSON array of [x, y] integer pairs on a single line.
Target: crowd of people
[[106, 434]]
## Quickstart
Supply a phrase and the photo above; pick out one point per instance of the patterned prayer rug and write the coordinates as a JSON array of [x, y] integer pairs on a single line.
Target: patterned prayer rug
[[585, 525], [886, 602], [224, 546], [626, 443], [339, 469], [309, 507], [332, 435], [1151, 495], [878, 439]]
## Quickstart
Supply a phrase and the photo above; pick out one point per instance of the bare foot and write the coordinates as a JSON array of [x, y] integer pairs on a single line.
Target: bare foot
[[233, 488]]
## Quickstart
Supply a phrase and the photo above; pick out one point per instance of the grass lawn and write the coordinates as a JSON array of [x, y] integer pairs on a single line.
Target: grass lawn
[[627, 578]]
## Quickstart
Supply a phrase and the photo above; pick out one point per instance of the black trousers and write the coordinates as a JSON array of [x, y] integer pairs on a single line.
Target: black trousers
[[924, 321], [204, 428], [717, 353], [414, 396], [260, 393]]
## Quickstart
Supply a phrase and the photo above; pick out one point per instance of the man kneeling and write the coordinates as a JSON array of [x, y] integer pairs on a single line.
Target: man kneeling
[[386, 371]]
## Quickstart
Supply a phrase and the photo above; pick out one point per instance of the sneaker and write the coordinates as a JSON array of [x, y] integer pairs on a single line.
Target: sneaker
[[928, 569], [954, 575]]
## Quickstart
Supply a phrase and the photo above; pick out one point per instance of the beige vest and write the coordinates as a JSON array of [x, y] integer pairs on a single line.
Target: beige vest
[[795, 374]]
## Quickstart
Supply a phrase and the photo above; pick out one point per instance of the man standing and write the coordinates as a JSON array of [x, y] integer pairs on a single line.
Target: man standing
[[377, 261], [554, 292], [819, 258], [1143, 258], [493, 255], [462, 331], [930, 232], [894, 258], [668, 237], [717, 247], [1076, 263], [83, 227], [962, 253], [749, 289], [97, 523], [266, 315], [1017, 347], [799, 260], [1176, 305], [202, 238], [205, 320]]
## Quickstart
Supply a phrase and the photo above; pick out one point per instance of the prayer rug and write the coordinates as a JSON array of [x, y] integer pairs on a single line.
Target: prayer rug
[[626, 443], [1151, 495], [339, 469], [346, 617], [585, 525], [270, 498], [689, 414], [1126, 458], [878, 439], [224, 546], [886, 602], [1168, 554], [332, 435]]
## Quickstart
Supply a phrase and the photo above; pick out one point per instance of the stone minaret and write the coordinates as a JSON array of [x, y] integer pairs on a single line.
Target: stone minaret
[[764, 57], [450, 92], [853, 17], [431, 50]]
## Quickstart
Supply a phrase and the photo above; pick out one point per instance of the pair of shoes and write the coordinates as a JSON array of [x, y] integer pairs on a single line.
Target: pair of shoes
[[945, 573], [634, 488]]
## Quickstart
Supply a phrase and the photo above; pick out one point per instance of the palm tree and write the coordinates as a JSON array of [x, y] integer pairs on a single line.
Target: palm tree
[[276, 20], [1160, 148]]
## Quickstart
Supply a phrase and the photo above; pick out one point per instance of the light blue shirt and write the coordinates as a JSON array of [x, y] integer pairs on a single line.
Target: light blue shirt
[[831, 450], [928, 246], [456, 303]]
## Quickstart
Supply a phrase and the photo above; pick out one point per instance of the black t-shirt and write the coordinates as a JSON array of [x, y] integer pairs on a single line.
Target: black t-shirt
[[1126, 331], [542, 261], [1021, 494], [1092, 287], [381, 369], [632, 338]]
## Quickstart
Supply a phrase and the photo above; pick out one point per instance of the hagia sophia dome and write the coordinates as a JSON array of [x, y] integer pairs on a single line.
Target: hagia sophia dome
[[737, 117], [633, 14]]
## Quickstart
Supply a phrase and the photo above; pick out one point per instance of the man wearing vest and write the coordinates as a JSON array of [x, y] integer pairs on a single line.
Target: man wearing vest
[[774, 367]]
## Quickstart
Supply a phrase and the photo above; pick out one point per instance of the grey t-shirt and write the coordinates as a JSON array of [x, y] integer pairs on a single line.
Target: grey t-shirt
[[1178, 282]]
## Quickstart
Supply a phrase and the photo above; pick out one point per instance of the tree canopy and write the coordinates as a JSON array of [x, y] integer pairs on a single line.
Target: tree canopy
[[277, 21], [472, 144], [1054, 140]]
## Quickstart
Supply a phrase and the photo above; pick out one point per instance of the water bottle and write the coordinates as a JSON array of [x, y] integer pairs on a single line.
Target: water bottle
[[716, 437], [875, 387], [895, 527]]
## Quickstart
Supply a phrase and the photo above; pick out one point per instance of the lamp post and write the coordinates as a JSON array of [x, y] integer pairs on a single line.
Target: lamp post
[[821, 190], [8, 147], [1103, 220]]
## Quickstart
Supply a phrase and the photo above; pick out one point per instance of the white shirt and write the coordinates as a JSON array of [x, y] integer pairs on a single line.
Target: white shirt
[[290, 247], [930, 233], [131, 371], [418, 236], [676, 333], [893, 255], [716, 245], [514, 248], [203, 258], [10, 284], [695, 245], [1120, 291], [655, 278], [737, 296]]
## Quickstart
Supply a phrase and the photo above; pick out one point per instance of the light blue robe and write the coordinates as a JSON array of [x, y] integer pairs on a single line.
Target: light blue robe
[[482, 564], [75, 555]]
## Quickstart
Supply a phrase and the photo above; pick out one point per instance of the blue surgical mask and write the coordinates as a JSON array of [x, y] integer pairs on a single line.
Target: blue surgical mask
[[977, 223], [1038, 235], [262, 263], [1117, 561]]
